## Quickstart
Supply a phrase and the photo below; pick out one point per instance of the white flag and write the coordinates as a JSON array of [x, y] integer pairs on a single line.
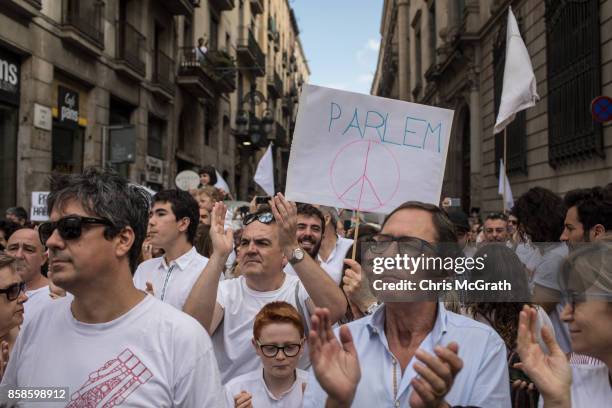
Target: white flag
[[221, 183], [507, 197], [264, 176], [519, 91]]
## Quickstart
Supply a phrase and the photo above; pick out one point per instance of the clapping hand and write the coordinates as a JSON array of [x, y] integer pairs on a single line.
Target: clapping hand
[[355, 285], [222, 240], [243, 400], [285, 214], [436, 376], [550, 373], [335, 363]]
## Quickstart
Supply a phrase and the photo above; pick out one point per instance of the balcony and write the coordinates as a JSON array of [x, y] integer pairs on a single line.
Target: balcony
[[287, 105], [250, 54], [222, 5], [23, 8], [181, 7], [257, 6], [275, 84], [224, 68], [130, 50], [195, 74], [82, 25], [163, 75]]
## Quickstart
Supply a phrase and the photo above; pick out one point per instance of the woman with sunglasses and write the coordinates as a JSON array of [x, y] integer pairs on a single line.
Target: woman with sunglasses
[[586, 281], [12, 298], [278, 339]]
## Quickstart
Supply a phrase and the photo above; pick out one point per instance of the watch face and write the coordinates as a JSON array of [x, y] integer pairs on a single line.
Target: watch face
[[298, 254]]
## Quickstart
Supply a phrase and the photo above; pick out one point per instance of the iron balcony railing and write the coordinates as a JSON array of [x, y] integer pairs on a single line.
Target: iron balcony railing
[[131, 46], [85, 16]]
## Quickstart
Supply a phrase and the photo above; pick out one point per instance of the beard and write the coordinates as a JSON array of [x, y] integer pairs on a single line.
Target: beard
[[313, 249]]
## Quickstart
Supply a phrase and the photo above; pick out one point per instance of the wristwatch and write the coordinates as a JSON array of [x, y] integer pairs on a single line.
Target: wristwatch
[[297, 255], [372, 308]]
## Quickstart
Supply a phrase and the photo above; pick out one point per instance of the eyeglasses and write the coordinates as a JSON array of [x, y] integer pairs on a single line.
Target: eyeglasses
[[264, 218], [271, 350], [572, 297], [13, 291], [381, 242], [69, 227]]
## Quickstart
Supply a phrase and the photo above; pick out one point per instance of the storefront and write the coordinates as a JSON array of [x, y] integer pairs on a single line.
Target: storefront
[[10, 82], [68, 136]]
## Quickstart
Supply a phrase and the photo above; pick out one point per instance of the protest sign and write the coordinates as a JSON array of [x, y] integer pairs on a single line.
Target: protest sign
[[365, 152], [38, 211], [187, 180]]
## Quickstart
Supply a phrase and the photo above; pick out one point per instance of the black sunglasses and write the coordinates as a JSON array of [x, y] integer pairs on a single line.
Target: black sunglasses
[[271, 350], [13, 291], [69, 227], [264, 218], [379, 243]]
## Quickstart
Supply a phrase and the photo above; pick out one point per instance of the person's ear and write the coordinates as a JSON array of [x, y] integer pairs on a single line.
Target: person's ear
[[183, 224], [598, 231], [124, 241]]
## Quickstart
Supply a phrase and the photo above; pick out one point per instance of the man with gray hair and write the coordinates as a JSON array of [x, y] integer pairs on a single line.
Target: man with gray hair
[[112, 344], [333, 247]]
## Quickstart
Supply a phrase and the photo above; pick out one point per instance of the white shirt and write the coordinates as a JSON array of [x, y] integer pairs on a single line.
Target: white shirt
[[152, 356], [171, 283], [547, 275], [37, 301], [232, 339], [482, 382], [335, 263], [253, 383]]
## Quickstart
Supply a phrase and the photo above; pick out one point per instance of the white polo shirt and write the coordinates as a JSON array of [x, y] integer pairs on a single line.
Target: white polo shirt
[[253, 383], [171, 283], [334, 264]]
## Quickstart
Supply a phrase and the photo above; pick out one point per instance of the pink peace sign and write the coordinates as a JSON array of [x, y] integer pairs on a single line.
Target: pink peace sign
[[364, 175]]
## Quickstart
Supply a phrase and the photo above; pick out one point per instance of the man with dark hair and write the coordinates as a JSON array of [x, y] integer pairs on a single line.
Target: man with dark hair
[[112, 344], [173, 222], [496, 228], [540, 214], [399, 333], [588, 217], [18, 215], [227, 309], [24, 245]]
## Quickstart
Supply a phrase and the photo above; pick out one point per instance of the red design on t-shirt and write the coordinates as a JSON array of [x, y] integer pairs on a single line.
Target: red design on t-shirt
[[112, 384]]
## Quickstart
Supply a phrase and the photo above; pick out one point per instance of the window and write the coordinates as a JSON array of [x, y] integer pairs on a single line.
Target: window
[[516, 131], [157, 130], [214, 33], [432, 32], [573, 69]]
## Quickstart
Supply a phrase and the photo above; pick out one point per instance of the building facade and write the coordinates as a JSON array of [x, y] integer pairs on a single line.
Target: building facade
[[452, 54], [125, 83]]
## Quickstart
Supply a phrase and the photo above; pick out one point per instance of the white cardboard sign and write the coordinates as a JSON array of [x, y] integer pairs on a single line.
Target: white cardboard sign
[[366, 152], [38, 211]]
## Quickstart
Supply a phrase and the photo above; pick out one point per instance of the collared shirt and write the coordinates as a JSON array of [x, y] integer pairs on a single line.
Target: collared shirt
[[482, 382], [333, 265], [171, 283], [254, 383]]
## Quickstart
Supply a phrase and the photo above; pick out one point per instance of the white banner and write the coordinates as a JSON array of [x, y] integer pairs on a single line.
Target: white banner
[[366, 152], [38, 211]]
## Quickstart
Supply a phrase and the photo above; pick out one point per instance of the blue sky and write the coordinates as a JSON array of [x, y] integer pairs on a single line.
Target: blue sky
[[340, 39]]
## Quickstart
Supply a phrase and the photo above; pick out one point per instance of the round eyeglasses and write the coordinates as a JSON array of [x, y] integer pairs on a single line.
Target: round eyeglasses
[[271, 350]]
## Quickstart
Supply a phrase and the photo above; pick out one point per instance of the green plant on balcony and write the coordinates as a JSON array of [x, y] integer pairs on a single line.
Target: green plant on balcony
[[223, 69]]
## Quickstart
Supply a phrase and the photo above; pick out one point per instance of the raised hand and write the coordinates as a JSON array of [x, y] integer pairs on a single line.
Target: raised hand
[[222, 240], [436, 376], [355, 285], [285, 214], [335, 365], [550, 373], [243, 400]]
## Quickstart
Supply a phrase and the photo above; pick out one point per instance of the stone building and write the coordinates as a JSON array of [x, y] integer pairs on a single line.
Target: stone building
[[452, 54], [80, 79]]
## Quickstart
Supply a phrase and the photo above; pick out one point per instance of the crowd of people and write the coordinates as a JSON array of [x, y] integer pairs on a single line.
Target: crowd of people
[[176, 300]]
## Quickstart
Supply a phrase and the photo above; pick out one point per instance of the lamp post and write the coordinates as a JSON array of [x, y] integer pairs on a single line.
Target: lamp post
[[251, 130]]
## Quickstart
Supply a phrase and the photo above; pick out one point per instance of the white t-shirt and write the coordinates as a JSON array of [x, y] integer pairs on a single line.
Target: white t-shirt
[[38, 299], [334, 264], [152, 356], [253, 383], [171, 283], [547, 275], [232, 339]]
